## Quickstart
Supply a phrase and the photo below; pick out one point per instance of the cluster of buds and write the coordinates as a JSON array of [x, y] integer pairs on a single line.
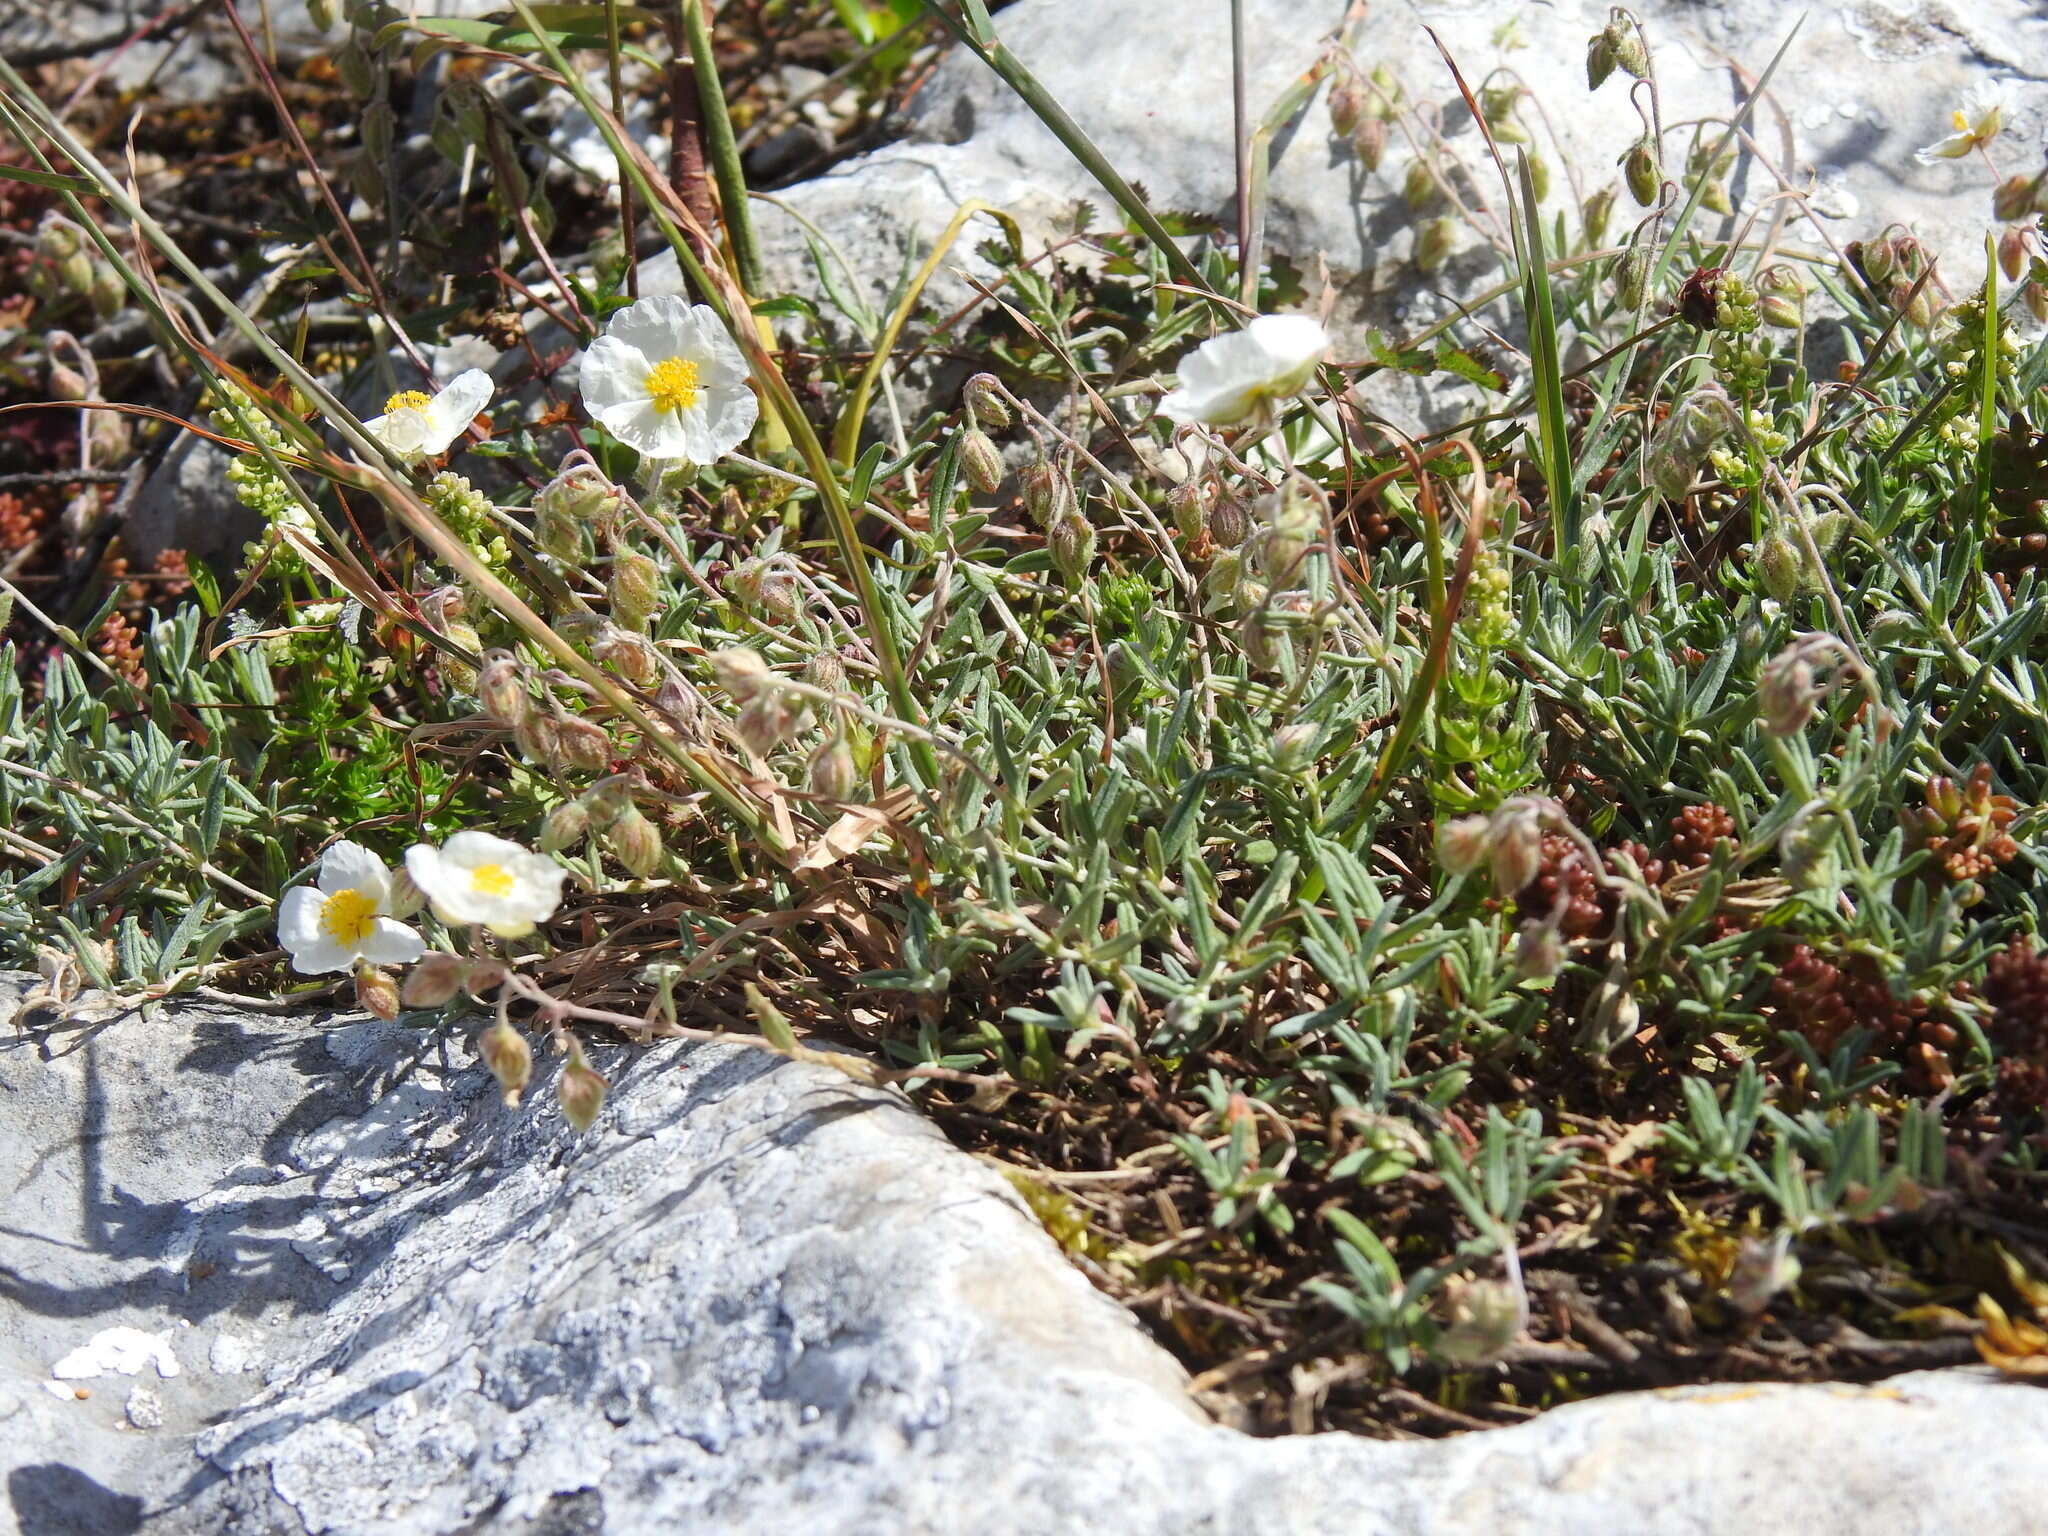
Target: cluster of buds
[[1795, 681], [470, 516], [1509, 844], [1965, 826], [1678, 447], [69, 267], [988, 410], [1717, 299], [768, 713], [1360, 109], [767, 584], [1892, 265], [1618, 44]]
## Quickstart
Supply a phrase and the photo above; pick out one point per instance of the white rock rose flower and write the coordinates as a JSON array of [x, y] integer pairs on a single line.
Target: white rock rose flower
[[477, 878], [344, 917], [416, 425], [666, 379], [1977, 121], [1228, 377]]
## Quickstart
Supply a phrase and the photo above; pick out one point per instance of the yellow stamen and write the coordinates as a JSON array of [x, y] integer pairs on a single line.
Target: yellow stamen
[[1962, 123], [408, 400], [491, 880], [348, 917], [672, 384]]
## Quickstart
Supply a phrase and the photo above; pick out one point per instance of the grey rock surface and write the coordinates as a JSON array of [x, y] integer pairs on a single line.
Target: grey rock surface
[[755, 1297], [1866, 84]]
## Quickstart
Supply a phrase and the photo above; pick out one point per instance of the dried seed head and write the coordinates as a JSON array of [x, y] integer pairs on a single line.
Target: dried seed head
[[565, 827], [510, 1058], [981, 461], [634, 841], [985, 403], [376, 992], [581, 1093], [434, 981]]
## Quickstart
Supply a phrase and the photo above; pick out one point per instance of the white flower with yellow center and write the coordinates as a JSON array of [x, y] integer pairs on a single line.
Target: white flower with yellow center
[[1227, 378], [416, 425], [343, 918], [667, 380], [477, 878], [1976, 122]]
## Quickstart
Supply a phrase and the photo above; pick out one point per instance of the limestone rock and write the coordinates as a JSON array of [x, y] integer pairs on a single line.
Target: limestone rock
[[756, 1297]]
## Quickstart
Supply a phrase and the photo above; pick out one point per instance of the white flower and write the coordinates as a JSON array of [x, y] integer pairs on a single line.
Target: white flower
[[344, 918], [1226, 378], [666, 379], [477, 878], [417, 425], [1977, 121]]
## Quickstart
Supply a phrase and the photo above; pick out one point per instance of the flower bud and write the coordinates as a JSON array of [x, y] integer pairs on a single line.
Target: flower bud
[[536, 737], [501, 689], [1497, 107], [1294, 746], [1482, 1321], [376, 992], [1434, 242], [581, 745], [742, 673], [1418, 187], [1631, 273], [1388, 97], [66, 383], [634, 841], [406, 897], [323, 14], [635, 588], [981, 461], [108, 293], [581, 1092], [1047, 495], [1787, 693], [985, 403], [510, 1059], [1779, 566], [630, 655], [1630, 51], [1594, 215], [1599, 61], [1539, 952], [1071, 541], [2012, 253], [2014, 198], [1230, 521], [834, 775], [1292, 525], [1346, 105], [1639, 168], [766, 722], [1184, 502], [580, 494], [434, 981], [2035, 296], [1515, 847], [1462, 844], [565, 827], [826, 670], [1877, 258], [1539, 177], [1369, 142], [58, 239]]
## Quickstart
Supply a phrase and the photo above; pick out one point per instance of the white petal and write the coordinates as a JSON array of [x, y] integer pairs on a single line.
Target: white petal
[[613, 373], [405, 432], [298, 918], [731, 416], [450, 412], [390, 942], [655, 433], [1954, 147], [322, 957], [656, 327], [352, 867], [511, 930]]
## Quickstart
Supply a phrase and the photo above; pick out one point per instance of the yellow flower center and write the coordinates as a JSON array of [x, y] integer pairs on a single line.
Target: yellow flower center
[[672, 384], [348, 917], [491, 880], [408, 400], [1961, 121]]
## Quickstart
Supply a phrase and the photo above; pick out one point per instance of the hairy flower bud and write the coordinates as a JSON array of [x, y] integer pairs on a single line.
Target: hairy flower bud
[[1071, 541], [565, 827], [826, 670], [1631, 274], [1787, 692], [1047, 495], [2014, 197], [510, 1059], [406, 897], [1594, 215], [981, 461], [1695, 425], [1294, 746], [1462, 843], [434, 981], [501, 689], [634, 841], [1346, 104], [581, 745], [1515, 846], [323, 14], [1418, 187], [1184, 503], [1641, 170], [1779, 566], [376, 992], [834, 775], [1630, 51], [1369, 142], [1434, 242], [1230, 521], [536, 737], [580, 1091], [742, 673], [985, 402], [631, 655], [580, 494], [2012, 253], [635, 588], [1599, 60]]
